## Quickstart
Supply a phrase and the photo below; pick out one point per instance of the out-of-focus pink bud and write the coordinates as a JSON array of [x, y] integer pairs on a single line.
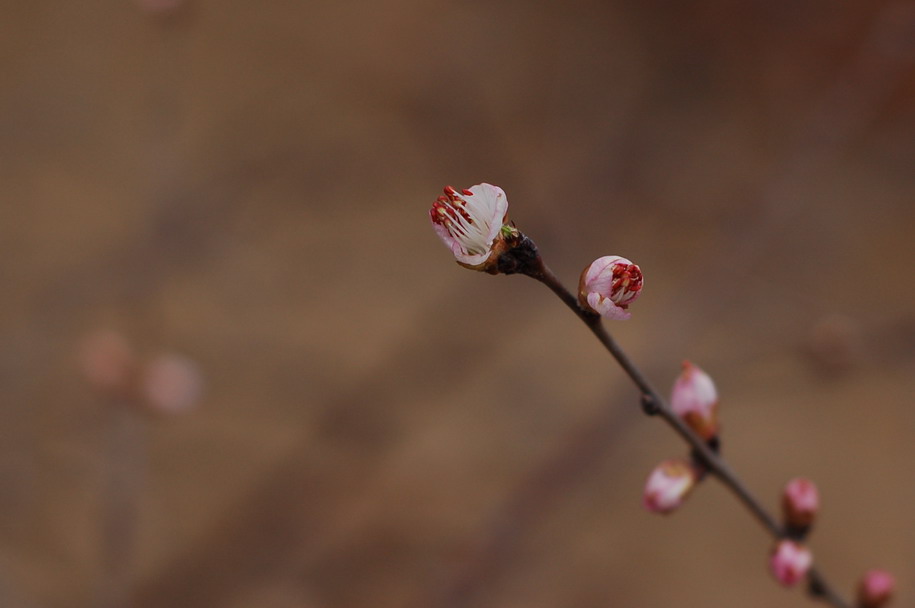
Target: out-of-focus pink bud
[[171, 384], [790, 562], [800, 503], [108, 363], [609, 285], [470, 222], [695, 400], [876, 589], [835, 345], [668, 486]]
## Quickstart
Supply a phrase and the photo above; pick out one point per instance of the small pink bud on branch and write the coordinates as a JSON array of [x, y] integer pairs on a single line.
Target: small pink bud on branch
[[609, 285], [695, 399], [790, 562], [668, 486], [800, 504], [876, 589]]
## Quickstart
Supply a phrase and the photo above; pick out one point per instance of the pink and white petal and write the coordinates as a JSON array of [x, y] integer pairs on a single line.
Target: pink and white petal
[[457, 249], [615, 313], [600, 274], [606, 308], [494, 200]]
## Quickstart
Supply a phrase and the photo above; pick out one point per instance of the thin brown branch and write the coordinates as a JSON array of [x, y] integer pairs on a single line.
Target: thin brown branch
[[654, 404]]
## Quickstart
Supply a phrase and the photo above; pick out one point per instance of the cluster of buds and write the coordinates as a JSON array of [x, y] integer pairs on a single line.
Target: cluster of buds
[[791, 560], [695, 400], [472, 224], [166, 384]]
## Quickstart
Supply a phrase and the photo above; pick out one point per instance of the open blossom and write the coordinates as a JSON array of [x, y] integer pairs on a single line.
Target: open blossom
[[790, 562], [469, 222], [668, 486], [609, 285], [695, 400], [876, 589], [800, 502]]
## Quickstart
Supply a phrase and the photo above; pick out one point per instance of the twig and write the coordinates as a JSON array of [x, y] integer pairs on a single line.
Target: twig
[[125, 467], [523, 258]]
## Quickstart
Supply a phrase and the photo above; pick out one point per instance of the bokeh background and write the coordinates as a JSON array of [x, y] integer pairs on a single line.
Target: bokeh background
[[247, 183]]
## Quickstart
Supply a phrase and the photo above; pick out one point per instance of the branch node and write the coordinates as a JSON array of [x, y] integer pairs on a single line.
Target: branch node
[[650, 405], [815, 587]]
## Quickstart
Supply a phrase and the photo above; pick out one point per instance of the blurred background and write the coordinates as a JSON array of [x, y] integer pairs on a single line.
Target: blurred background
[[248, 184]]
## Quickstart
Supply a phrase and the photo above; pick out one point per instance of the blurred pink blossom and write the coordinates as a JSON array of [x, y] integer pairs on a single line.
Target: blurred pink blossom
[[790, 562], [876, 589], [668, 486], [107, 362], [171, 384], [800, 502], [695, 399]]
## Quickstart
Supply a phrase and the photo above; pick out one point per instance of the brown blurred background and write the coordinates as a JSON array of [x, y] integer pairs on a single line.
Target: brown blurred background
[[248, 183]]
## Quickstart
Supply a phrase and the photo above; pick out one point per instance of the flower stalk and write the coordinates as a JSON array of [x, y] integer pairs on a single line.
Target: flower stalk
[[655, 405], [512, 252]]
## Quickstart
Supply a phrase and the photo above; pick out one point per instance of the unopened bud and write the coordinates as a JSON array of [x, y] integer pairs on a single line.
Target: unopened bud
[[790, 562], [668, 486], [800, 503], [171, 384], [108, 363], [695, 399], [609, 285], [876, 589]]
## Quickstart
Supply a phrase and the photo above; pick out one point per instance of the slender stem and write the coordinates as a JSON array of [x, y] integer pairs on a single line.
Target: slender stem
[[125, 465], [654, 404]]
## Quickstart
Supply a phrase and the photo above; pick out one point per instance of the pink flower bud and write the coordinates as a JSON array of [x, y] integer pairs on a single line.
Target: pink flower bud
[[668, 486], [108, 363], [470, 222], [790, 562], [609, 285], [800, 503], [876, 589], [695, 400], [171, 384]]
